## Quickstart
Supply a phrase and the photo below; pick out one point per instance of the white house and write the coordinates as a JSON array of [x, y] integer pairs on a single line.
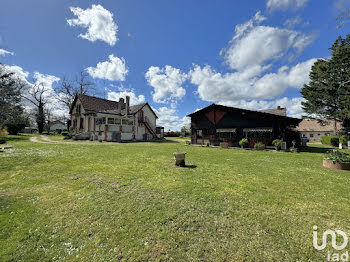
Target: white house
[[57, 125], [102, 119], [314, 130]]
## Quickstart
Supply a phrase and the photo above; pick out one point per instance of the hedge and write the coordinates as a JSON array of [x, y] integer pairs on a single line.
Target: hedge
[[333, 140]]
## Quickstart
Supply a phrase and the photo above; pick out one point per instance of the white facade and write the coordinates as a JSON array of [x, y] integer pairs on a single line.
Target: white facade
[[315, 136], [113, 126]]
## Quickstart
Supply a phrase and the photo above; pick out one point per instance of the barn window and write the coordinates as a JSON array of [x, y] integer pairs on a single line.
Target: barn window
[[199, 133]]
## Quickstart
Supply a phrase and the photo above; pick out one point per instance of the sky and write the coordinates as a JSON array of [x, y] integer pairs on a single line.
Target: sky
[[179, 56]]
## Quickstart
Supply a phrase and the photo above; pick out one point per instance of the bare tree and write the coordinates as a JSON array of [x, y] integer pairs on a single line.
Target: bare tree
[[68, 89], [38, 95]]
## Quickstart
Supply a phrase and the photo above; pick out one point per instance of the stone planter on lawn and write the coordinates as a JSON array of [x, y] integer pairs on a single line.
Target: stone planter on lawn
[[180, 159], [337, 165]]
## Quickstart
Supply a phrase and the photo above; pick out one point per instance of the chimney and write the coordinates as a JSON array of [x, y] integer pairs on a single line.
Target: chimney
[[121, 104], [127, 105]]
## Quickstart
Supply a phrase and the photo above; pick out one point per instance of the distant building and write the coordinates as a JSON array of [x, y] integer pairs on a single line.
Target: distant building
[[313, 130], [160, 131], [217, 123], [102, 119], [58, 126]]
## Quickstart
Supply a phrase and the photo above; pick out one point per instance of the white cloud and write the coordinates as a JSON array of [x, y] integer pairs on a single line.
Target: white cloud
[[169, 120], [167, 83], [98, 21], [18, 71], [293, 105], [134, 99], [254, 45], [251, 53], [4, 52], [285, 4], [114, 70], [292, 22], [221, 88]]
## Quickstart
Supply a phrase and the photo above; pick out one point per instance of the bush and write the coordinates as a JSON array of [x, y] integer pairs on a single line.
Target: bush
[[224, 145], [277, 143], [244, 142], [65, 133], [259, 146], [337, 156], [3, 134], [344, 139], [330, 140]]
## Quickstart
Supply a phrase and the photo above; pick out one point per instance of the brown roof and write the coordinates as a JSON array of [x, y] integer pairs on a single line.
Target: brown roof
[[101, 105], [315, 125], [262, 113], [277, 111]]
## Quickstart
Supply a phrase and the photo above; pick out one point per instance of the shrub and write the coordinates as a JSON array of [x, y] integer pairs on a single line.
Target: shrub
[[343, 139], [244, 142], [277, 143], [224, 145], [330, 140], [337, 156], [259, 146], [65, 133], [3, 134]]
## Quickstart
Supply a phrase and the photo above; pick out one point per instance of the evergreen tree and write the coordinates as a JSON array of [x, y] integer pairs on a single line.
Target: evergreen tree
[[328, 93]]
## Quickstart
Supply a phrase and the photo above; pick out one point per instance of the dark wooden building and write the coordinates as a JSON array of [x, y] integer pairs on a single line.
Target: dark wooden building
[[217, 123]]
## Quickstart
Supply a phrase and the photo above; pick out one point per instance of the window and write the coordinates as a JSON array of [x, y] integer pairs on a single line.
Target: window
[[127, 122], [81, 123], [78, 109], [199, 133], [311, 135], [100, 121], [111, 121]]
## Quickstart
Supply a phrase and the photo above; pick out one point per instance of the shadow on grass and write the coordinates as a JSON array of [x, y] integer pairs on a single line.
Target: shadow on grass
[[319, 150], [14, 138], [165, 141], [186, 166]]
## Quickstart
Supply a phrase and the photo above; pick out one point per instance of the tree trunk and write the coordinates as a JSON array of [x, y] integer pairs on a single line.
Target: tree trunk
[[40, 119]]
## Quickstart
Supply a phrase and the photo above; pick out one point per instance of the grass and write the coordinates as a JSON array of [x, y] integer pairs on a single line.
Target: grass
[[111, 201]]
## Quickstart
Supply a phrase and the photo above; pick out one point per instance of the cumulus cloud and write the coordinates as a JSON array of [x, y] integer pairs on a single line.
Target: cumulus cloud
[[254, 45], [98, 21], [285, 4], [114, 70], [251, 54], [18, 71], [169, 119], [167, 83], [293, 105], [4, 52], [46, 81], [217, 87], [134, 99]]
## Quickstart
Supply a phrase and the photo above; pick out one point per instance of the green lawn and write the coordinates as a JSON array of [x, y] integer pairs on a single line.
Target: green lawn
[[108, 202]]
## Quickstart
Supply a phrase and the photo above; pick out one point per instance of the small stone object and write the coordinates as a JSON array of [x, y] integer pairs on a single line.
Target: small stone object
[[180, 159]]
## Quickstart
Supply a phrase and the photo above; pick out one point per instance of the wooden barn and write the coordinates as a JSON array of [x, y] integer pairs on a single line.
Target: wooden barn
[[217, 123]]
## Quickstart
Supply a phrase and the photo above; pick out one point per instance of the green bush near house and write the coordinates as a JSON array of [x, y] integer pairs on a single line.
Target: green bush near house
[[259, 146], [277, 143], [244, 143], [330, 140], [344, 139], [224, 145]]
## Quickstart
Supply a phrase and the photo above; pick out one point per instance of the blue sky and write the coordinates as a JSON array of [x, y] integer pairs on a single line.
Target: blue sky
[[177, 55]]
